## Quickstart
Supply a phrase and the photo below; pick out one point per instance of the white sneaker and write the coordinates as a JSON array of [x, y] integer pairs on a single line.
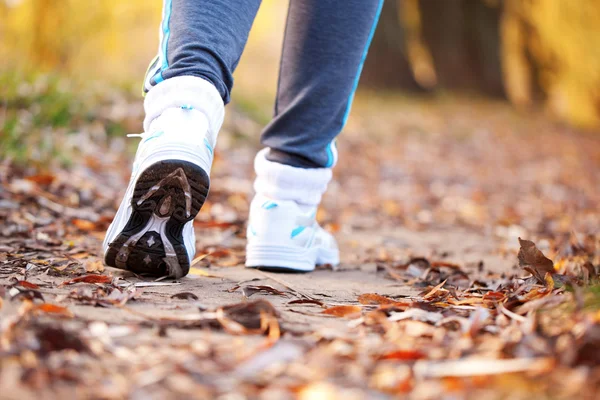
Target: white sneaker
[[283, 233], [285, 236], [152, 232]]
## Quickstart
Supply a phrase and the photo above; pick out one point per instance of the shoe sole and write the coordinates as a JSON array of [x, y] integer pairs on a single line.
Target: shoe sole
[[288, 259], [167, 195]]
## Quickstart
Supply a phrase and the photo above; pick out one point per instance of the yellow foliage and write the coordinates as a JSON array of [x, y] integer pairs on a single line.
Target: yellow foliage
[[550, 47], [561, 38], [110, 38], [114, 40]]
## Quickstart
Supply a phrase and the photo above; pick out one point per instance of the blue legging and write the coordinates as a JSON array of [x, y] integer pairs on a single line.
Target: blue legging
[[324, 49]]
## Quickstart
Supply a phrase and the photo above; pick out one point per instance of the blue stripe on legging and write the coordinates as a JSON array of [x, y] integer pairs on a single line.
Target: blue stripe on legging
[[166, 33], [330, 157]]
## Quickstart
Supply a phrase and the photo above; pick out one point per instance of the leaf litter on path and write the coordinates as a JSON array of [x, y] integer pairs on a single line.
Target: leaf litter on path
[[430, 302]]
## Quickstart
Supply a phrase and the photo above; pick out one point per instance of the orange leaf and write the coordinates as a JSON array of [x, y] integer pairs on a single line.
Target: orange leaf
[[41, 179], [84, 224], [438, 264], [374, 298], [434, 290], [27, 285], [89, 279], [405, 355], [343, 311], [465, 302], [52, 309], [494, 296]]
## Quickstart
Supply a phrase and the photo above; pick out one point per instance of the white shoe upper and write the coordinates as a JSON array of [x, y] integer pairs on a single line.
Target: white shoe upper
[[183, 118], [282, 228]]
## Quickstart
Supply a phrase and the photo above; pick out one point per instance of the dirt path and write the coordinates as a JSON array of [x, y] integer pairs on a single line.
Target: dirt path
[[427, 206]]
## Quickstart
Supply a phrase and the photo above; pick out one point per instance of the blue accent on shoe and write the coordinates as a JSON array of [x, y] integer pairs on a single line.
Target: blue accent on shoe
[[187, 107], [154, 135], [208, 146], [298, 231], [362, 62], [267, 205], [251, 229]]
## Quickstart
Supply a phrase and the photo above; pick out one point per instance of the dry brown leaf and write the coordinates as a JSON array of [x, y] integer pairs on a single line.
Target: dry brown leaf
[[270, 325], [374, 299], [403, 355], [84, 225], [494, 296], [465, 302], [438, 264], [29, 294], [41, 179], [26, 285], [94, 266], [343, 311], [434, 291], [249, 290], [533, 260], [89, 279], [185, 296], [307, 301], [48, 308], [246, 315]]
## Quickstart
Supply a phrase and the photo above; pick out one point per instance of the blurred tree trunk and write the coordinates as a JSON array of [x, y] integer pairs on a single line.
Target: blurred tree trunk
[[522, 72], [387, 65], [463, 37]]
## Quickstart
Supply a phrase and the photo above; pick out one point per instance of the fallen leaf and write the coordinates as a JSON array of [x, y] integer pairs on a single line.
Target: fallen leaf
[[248, 291], [48, 308], [374, 299], [94, 266], [434, 291], [438, 264], [533, 260], [307, 301], [185, 296], [465, 302], [494, 296], [343, 311], [41, 179], [29, 294], [89, 279], [403, 355], [84, 225], [27, 285], [247, 314]]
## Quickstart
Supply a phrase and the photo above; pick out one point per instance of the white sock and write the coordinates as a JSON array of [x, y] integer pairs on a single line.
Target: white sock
[[278, 181]]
